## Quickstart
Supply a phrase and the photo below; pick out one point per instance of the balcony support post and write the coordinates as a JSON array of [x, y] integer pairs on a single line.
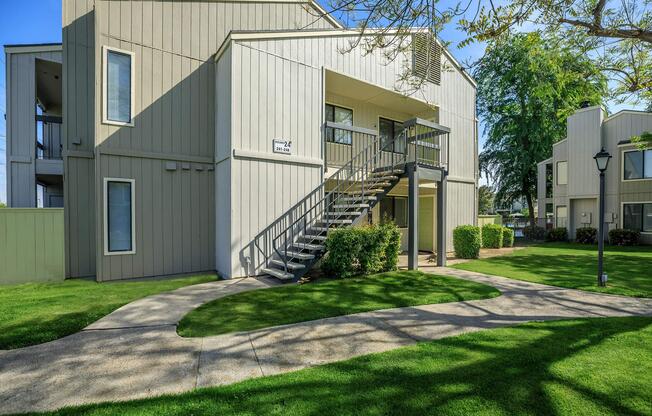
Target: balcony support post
[[441, 221], [413, 217]]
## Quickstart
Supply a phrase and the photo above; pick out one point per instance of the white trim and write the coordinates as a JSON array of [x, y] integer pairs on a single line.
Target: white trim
[[622, 213], [106, 216], [326, 15], [622, 166], [274, 157], [33, 48], [559, 142], [622, 112], [105, 118]]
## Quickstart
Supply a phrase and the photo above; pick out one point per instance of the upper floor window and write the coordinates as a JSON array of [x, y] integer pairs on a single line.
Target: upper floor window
[[637, 164], [562, 173], [340, 115], [118, 86], [638, 217], [390, 130]]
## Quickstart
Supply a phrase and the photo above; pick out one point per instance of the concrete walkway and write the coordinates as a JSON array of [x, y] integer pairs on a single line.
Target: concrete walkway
[[135, 351]]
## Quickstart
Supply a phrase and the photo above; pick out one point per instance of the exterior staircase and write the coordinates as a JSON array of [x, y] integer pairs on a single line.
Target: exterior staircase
[[294, 242]]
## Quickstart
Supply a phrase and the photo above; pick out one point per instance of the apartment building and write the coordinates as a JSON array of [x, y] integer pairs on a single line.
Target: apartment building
[[232, 136], [568, 182]]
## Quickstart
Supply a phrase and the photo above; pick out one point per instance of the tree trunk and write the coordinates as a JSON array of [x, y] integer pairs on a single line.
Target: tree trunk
[[530, 207]]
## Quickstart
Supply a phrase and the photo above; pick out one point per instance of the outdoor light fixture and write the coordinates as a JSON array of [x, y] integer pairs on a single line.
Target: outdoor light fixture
[[602, 161]]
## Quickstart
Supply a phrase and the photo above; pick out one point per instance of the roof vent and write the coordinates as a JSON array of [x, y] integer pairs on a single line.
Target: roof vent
[[426, 57]]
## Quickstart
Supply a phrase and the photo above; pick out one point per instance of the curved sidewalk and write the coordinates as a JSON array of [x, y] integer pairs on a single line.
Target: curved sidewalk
[[135, 352]]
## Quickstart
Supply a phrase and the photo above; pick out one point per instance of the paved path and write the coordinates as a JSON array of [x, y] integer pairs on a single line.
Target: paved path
[[135, 351]]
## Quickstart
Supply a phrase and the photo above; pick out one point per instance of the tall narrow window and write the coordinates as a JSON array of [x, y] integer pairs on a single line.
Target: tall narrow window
[[118, 87], [560, 219], [339, 115], [119, 216], [562, 173]]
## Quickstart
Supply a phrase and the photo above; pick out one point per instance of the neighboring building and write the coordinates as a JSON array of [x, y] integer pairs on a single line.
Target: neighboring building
[[568, 183], [219, 135]]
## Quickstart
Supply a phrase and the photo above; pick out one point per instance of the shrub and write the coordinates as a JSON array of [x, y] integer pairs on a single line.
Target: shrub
[[534, 233], [586, 235], [492, 236], [362, 250], [393, 248], [467, 241], [342, 248], [371, 257], [623, 237], [508, 237], [557, 234]]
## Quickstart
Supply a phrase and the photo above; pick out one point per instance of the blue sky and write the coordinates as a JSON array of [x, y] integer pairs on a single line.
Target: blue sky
[[39, 21]]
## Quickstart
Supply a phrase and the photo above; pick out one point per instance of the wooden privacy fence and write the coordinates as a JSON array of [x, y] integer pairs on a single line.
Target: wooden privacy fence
[[31, 245], [489, 219]]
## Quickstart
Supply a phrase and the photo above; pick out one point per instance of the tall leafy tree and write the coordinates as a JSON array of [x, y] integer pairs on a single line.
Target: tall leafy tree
[[485, 200], [526, 90]]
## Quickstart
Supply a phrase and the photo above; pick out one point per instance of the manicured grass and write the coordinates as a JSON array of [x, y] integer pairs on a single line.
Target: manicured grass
[[325, 298], [574, 266], [33, 313], [575, 367]]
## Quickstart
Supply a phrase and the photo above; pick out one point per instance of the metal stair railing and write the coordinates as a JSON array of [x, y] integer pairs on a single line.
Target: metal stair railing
[[296, 221]]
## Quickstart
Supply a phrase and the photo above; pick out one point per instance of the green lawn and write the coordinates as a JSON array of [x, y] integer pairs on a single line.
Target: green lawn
[[575, 367], [325, 298], [574, 266], [33, 313]]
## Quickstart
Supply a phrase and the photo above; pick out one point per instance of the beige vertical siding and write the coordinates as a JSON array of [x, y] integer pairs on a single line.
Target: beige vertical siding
[[584, 133], [277, 93], [79, 127], [21, 125], [175, 114]]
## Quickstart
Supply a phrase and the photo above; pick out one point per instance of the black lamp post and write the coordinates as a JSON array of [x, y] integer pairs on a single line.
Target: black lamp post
[[602, 160]]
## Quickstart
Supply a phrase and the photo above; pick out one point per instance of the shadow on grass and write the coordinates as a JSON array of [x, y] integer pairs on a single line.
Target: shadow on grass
[[589, 366], [327, 298]]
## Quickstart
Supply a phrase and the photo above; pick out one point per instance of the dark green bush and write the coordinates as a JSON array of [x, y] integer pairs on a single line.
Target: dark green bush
[[492, 236], [362, 250], [508, 237], [467, 241], [586, 235], [557, 234], [534, 233], [623, 237]]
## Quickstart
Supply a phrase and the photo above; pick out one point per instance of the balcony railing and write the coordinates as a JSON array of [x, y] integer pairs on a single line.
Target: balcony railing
[[50, 145], [423, 142]]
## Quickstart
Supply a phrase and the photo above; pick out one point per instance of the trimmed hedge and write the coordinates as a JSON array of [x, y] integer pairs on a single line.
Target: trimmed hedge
[[586, 235], [534, 233], [492, 236], [508, 237], [623, 237], [362, 250], [557, 234], [467, 241]]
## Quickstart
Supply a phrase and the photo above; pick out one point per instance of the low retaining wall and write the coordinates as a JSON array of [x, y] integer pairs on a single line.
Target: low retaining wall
[[31, 245]]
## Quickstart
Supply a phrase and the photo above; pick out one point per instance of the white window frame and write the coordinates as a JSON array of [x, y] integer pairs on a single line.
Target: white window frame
[[557, 173], [106, 216], [622, 212], [105, 110], [622, 166]]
